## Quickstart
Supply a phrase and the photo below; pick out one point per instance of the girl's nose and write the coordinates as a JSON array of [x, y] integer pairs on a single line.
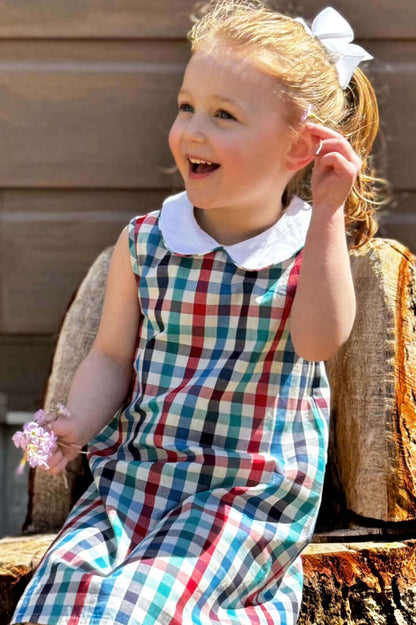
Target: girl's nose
[[195, 130]]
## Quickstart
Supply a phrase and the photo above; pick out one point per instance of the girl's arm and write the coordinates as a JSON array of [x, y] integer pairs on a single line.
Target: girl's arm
[[323, 310], [324, 306], [102, 380]]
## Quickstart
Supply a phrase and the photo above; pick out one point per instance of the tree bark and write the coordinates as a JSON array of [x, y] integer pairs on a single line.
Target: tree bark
[[373, 381], [360, 584]]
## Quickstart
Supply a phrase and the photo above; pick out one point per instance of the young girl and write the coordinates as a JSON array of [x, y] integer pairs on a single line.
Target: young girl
[[218, 314]]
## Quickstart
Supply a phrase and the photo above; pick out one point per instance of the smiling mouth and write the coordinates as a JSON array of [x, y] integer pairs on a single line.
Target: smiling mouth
[[198, 166]]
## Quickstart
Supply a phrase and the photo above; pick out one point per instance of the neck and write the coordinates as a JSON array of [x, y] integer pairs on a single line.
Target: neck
[[229, 228]]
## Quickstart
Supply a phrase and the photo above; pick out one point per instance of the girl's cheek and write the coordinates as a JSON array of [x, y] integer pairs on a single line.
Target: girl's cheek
[[171, 138], [174, 138], [174, 145]]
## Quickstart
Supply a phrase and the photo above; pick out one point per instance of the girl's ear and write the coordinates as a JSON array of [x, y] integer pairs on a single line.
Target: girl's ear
[[300, 152]]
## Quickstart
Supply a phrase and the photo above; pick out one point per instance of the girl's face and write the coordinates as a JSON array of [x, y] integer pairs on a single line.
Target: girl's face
[[230, 137]]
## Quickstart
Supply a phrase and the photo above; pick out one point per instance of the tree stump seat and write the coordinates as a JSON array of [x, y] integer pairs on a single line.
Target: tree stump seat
[[361, 568], [359, 583]]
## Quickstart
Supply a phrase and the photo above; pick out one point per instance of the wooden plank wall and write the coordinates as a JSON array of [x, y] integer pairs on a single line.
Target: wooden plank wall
[[87, 95]]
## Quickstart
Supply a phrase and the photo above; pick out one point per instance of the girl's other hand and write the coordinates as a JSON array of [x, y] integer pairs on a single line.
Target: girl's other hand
[[68, 442], [335, 170]]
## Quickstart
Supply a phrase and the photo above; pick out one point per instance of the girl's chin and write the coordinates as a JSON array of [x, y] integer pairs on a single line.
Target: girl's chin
[[200, 200]]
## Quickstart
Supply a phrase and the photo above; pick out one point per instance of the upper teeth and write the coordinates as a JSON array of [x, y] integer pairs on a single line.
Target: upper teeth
[[198, 162]]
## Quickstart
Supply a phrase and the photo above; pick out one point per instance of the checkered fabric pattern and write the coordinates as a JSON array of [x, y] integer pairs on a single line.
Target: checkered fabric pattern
[[207, 484]]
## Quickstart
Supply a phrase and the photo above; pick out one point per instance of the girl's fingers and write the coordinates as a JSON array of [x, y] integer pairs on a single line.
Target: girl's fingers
[[337, 146], [55, 459], [60, 466], [331, 139], [338, 163], [336, 167], [57, 462], [322, 132]]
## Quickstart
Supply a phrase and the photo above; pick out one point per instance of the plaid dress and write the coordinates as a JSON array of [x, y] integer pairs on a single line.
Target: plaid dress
[[208, 481]]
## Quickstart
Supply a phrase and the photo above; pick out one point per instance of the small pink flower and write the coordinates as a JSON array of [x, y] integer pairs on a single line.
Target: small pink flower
[[37, 443], [32, 429], [306, 113], [18, 439], [40, 417], [62, 410]]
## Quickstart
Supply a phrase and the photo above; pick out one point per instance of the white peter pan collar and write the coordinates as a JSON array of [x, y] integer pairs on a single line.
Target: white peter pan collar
[[182, 235]]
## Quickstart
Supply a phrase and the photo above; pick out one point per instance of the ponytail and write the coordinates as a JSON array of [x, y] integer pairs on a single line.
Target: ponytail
[[360, 127]]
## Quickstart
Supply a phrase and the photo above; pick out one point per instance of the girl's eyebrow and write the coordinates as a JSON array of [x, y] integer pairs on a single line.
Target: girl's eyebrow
[[223, 98], [220, 98]]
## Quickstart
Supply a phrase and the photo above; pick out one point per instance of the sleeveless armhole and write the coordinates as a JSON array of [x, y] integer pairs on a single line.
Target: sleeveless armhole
[[133, 231]]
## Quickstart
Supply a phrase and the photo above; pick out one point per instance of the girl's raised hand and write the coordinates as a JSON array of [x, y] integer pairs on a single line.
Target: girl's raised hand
[[335, 170]]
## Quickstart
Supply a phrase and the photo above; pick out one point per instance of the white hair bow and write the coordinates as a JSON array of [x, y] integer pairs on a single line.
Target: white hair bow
[[336, 35]]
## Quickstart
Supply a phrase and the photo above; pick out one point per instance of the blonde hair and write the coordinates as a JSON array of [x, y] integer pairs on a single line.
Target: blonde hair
[[307, 77]]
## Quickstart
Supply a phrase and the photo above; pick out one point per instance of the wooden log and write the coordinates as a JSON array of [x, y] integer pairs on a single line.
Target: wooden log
[[51, 496], [373, 376], [345, 584], [19, 557], [359, 584]]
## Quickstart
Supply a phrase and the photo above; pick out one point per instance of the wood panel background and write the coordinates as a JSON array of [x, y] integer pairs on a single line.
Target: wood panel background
[[87, 96]]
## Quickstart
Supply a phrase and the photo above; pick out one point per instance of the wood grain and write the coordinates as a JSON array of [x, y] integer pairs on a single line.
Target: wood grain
[[373, 443], [98, 115], [359, 583], [161, 19], [397, 220], [87, 115], [19, 557], [48, 240]]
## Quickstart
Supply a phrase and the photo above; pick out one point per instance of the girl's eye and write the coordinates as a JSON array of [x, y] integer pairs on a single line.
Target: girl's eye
[[185, 107], [224, 114]]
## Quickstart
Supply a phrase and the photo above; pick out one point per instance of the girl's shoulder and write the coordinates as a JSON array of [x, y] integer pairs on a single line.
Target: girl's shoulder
[[145, 232], [171, 207], [149, 219]]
